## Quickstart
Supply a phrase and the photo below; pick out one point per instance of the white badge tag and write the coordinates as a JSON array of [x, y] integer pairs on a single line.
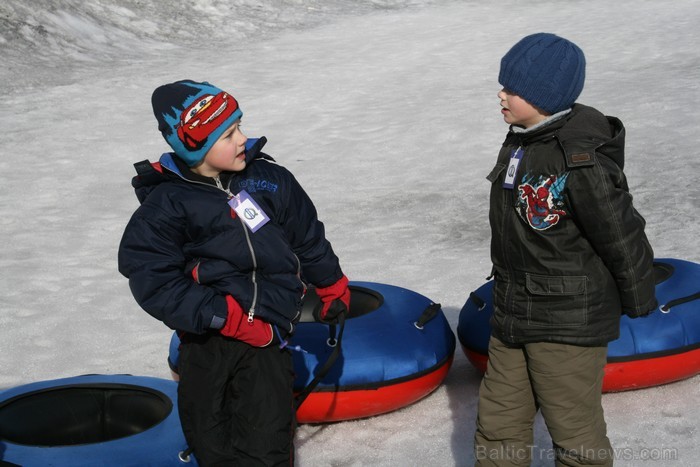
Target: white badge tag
[[515, 159], [248, 210]]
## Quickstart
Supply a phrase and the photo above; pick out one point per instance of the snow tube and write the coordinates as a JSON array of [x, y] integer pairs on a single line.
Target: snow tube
[[92, 420], [397, 347], [661, 348]]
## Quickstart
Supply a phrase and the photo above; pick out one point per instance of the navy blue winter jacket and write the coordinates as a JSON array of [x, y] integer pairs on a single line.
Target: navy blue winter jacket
[[185, 249]]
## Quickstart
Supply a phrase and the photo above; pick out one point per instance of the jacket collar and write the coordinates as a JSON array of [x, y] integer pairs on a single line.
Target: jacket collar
[[178, 167], [550, 119]]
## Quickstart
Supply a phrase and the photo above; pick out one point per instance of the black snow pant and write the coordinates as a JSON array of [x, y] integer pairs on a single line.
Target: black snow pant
[[236, 402]]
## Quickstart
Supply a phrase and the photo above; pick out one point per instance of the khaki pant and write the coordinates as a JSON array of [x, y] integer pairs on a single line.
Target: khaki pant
[[564, 382]]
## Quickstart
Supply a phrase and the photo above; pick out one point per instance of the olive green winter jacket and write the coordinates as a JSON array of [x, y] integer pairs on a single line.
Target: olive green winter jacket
[[568, 247]]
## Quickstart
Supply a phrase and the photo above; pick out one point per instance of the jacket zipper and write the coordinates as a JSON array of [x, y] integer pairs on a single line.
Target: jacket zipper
[[229, 194], [303, 284], [251, 311], [220, 186], [504, 243]]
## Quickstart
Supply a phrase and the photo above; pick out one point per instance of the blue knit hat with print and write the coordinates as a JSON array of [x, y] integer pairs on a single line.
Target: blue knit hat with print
[[192, 116], [546, 70]]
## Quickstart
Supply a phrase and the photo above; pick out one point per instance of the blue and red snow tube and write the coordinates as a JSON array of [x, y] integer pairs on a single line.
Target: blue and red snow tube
[[661, 348], [92, 420], [397, 347]]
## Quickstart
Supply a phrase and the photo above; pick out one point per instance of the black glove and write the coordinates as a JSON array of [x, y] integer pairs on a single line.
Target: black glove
[[335, 302]]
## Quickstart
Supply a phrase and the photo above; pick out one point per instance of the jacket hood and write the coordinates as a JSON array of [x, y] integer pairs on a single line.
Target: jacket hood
[[585, 130], [589, 131]]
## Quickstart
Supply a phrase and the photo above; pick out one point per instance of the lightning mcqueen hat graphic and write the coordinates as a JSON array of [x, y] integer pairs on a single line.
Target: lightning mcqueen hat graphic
[[204, 116]]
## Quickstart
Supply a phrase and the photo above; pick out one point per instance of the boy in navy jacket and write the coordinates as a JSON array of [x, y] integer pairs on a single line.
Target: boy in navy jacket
[[221, 250]]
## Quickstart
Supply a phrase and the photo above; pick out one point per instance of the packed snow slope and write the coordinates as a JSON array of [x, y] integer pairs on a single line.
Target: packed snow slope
[[386, 111]]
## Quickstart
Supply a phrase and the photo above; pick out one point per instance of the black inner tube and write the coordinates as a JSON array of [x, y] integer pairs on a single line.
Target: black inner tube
[[81, 414], [662, 272]]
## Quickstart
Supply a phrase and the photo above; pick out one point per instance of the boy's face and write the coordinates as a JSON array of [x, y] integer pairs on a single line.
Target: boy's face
[[227, 154], [517, 111]]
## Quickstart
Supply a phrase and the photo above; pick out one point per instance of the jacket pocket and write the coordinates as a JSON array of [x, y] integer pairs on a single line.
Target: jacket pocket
[[557, 301]]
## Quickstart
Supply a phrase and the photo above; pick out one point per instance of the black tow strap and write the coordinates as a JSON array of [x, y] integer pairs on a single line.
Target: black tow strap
[[323, 371], [429, 313], [184, 456], [478, 301], [679, 301]]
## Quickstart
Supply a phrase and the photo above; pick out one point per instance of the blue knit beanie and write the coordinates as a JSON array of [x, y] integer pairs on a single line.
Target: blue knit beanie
[[546, 70], [192, 116]]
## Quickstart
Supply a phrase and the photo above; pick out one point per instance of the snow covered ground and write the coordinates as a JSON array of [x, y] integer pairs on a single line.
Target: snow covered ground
[[386, 111]]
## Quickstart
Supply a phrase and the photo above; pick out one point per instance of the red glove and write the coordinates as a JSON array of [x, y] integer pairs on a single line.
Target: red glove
[[258, 333], [335, 299]]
